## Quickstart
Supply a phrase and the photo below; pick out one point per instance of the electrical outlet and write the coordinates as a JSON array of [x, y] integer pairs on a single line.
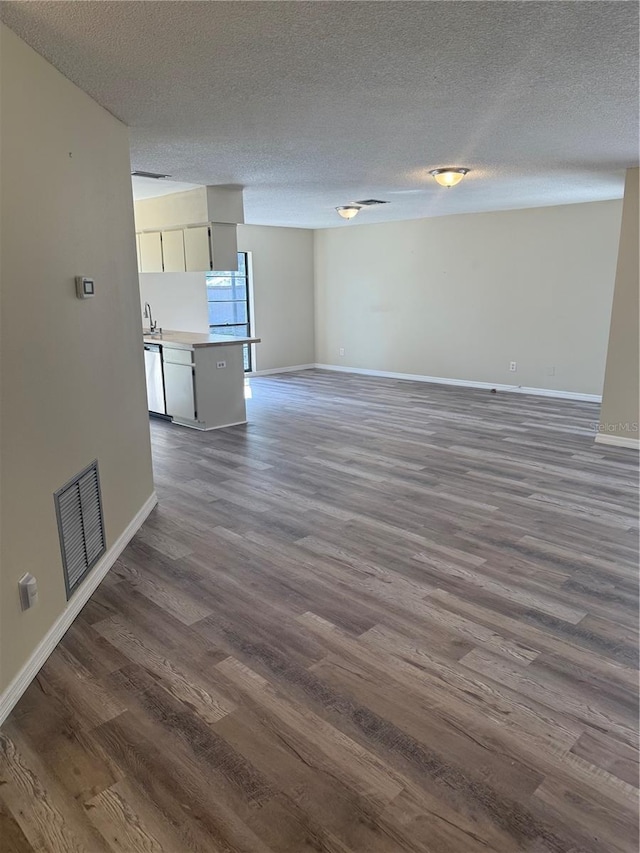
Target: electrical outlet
[[221, 364], [513, 366], [551, 371], [341, 350]]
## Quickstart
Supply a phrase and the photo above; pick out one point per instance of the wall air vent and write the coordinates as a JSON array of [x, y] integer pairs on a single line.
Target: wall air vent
[[370, 202], [149, 175], [80, 526]]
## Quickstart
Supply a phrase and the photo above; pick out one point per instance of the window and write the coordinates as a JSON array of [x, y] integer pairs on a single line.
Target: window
[[228, 298]]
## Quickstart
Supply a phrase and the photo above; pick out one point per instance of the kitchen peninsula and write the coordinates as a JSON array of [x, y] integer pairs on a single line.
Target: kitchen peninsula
[[196, 379]]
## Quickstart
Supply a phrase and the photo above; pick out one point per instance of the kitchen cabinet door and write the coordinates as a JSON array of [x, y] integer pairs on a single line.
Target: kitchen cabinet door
[[197, 249], [173, 251], [179, 391], [150, 251], [224, 247]]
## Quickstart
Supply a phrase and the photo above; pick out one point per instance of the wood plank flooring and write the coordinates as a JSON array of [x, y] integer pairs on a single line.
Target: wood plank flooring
[[383, 617]]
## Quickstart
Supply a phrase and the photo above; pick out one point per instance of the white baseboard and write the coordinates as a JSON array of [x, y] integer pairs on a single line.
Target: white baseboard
[[291, 369], [23, 679], [466, 383], [195, 425], [561, 395], [618, 440]]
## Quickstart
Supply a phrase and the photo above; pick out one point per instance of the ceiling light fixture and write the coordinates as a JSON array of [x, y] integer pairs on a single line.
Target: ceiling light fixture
[[348, 211], [449, 176]]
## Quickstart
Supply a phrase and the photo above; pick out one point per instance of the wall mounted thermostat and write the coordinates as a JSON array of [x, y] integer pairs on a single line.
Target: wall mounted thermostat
[[85, 287]]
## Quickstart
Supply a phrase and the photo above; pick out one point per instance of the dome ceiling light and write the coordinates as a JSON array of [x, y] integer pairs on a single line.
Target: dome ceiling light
[[449, 176], [348, 211]]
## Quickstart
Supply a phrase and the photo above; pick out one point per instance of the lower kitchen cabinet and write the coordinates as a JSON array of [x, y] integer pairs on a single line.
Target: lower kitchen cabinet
[[204, 386], [179, 391], [179, 383]]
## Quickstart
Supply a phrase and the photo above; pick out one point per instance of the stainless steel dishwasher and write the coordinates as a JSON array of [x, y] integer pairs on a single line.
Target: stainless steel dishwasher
[[155, 379]]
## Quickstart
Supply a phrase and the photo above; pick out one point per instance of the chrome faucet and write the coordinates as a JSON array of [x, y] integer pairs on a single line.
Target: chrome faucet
[[153, 325]]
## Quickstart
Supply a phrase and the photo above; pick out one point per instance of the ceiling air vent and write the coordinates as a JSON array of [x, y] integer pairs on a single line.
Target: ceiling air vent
[[370, 202], [80, 526], [149, 175]]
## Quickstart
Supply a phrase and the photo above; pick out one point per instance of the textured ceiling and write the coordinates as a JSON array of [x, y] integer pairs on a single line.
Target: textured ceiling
[[310, 105]]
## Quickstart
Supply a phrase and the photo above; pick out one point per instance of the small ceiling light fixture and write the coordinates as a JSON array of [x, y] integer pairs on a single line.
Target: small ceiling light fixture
[[348, 211], [449, 176]]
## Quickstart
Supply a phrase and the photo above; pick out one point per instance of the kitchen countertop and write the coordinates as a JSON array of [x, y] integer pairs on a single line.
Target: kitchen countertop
[[188, 340]]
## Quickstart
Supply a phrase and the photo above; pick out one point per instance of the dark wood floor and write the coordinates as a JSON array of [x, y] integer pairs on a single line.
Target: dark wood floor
[[383, 617]]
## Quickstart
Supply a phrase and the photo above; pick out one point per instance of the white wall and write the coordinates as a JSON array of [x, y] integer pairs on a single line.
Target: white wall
[[72, 373], [178, 300], [461, 296], [173, 209], [619, 417], [455, 297], [282, 266], [202, 204]]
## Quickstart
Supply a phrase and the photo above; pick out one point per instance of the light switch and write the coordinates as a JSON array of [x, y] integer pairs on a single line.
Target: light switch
[[28, 587]]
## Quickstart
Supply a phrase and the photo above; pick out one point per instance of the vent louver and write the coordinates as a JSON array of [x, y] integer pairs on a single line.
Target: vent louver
[[157, 175], [80, 525], [370, 202]]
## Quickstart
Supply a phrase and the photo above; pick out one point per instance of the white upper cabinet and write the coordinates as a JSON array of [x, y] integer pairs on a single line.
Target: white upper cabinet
[[150, 252], [224, 247], [197, 249], [211, 247], [173, 250]]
